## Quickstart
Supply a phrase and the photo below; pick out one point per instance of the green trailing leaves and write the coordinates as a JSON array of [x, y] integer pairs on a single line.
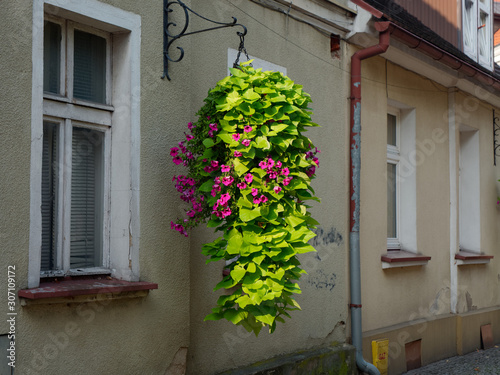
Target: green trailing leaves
[[250, 169]]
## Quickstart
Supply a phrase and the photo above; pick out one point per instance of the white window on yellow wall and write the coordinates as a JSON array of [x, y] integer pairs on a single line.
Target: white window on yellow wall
[[85, 140], [403, 159], [393, 158]]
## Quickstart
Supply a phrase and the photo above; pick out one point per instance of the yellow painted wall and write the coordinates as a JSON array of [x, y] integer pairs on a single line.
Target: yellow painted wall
[[141, 336]]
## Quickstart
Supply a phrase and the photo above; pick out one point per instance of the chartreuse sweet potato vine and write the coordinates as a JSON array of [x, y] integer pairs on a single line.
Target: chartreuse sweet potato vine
[[250, 170]]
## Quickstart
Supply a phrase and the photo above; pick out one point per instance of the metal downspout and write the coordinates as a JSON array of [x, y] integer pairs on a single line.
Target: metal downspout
[[355, 145]]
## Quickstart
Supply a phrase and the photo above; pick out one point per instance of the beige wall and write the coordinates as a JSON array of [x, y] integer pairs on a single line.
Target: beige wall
[[405, 304], [142, 335]]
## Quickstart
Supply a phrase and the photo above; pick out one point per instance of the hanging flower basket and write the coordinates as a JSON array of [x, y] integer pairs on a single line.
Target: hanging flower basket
[[249, 176]]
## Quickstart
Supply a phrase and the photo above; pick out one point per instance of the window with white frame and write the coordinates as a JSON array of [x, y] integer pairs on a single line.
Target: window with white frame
[[469, 190], [393, 158], [76, 148], [477, 31], [403, 158], [85, 140]]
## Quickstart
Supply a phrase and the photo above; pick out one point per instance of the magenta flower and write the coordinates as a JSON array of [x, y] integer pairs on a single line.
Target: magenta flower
[[316, 160], [174, 151], [249, 178], [255, 192], [277, 189], [227, 180], [241, 185], [237, 154], [224, 198], [270, 163], [256, 200], [273, 175], [177, 160], [225, 168], [263, 164], [213, 127], [287, 180], [217, 180], [235, 137], [263, 199], [189, 137], [214, 164], [247, 129], [278, 164], [191, 213], [191, 126], [285, 171], [245, 142]]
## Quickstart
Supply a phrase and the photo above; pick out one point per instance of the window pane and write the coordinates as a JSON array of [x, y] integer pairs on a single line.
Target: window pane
[[391, 130], [86, 198], [483, 36], [49, 196], [51, 57], [391, 201], [89, 67]]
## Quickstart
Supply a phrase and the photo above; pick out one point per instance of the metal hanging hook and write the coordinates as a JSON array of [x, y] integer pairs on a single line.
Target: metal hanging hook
[[169, 38]]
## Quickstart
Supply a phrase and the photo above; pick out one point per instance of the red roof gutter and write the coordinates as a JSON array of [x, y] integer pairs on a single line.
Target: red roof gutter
[[415, 42]]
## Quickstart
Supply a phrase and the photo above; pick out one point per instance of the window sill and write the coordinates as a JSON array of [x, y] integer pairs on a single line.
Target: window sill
[[71, 290], [401, 258], [467, 257]]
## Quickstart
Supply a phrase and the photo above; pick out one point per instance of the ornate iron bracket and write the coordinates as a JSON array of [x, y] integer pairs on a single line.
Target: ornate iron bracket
[[170, 37], [496, 133]]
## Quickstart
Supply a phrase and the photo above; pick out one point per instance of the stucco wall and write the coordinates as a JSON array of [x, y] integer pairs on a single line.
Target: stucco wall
[[398, 295], [305, 53], [141, 336]]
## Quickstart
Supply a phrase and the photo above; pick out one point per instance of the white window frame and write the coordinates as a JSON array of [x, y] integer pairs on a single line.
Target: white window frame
[[469, 190], [393, 157], [408, 159], [472, 29], [122, 141]]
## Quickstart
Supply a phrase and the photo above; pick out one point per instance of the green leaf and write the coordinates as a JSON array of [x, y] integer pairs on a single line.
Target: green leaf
[[239, 167], [208, 142], [302, 248], [250, 95], [206, 186], [246, 109], [251, 267], [213, 316], [237, 273], [248, 215]]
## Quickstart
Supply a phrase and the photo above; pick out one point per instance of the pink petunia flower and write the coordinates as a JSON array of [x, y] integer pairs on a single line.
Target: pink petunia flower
[[237, 154], [227, 180], [214, 164], [263, 199], [245, 142], [277, 189], [225, 168], [287, 180], [247, 129], [236, 136], [174, 151], [278, 164], [255, 192], [273, 175], [263, 164], [191, 126], [213, 127], [177, 160], [249, 178], [241, 185], [285, 171], [189, 137], [256, 200]]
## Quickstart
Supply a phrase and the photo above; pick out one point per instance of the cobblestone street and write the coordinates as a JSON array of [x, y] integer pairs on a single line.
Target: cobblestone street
[[480, 362]]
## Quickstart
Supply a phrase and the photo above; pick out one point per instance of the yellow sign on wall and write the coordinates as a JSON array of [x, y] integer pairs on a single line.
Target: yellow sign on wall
[[380, 353]]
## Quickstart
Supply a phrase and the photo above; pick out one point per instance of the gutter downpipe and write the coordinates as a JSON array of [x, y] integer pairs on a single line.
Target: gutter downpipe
[[355, 174]]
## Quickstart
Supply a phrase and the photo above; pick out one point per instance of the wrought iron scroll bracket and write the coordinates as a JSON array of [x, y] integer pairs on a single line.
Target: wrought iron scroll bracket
[[496, 135], [170, 37]]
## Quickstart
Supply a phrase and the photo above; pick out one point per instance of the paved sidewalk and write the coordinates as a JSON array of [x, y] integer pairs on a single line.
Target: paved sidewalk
[[480, 362]]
